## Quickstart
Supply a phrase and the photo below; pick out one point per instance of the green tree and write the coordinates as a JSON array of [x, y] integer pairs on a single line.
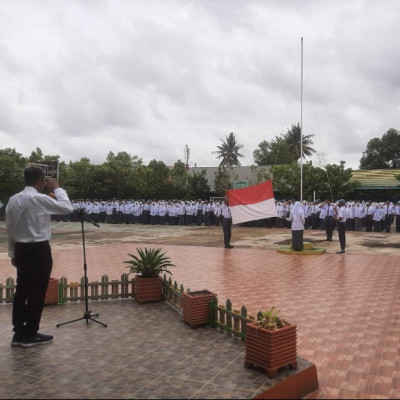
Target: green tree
[[286, 181], [119, 175], [36, 156], [158, 185], [339, 180], [12, 165], [179, 181], [275, 152], [198, 186], [331, 182], [294, 137], [382, 153], [79, 179], [228, 152], [222, 181]]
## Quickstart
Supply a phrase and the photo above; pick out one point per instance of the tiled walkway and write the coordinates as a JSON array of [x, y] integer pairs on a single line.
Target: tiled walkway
[[145, 352], [346, 308]]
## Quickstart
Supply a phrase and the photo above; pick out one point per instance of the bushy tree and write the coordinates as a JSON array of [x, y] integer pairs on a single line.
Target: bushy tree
[[382, 153], [179, 181], [119, 175], [222, 181], [333, 182], [79, 177], [158, 185], [12, 165], [275, 152], [199, 188], [284, 149]]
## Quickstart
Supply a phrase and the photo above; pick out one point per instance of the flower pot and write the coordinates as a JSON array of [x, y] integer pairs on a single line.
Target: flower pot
[[196, 307], [271, 349], [148, 290], [52, 292]]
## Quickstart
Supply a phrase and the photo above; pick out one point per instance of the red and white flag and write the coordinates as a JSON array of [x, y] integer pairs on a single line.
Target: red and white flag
[[252, 203]]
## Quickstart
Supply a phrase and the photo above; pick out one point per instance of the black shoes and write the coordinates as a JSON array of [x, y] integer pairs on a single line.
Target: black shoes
[[16, 340], [229, 246], [340, 252], [30, 341]]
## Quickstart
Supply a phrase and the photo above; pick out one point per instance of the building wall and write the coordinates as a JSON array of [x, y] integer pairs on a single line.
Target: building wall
[[252, 174]]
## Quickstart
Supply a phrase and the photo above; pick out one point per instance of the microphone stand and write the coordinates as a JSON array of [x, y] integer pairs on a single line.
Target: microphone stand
[[88, 314]]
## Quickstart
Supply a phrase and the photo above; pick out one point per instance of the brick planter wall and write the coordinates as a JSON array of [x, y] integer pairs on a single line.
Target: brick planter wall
[[52, 292], [196, 307], [148, 290], [271, 349]]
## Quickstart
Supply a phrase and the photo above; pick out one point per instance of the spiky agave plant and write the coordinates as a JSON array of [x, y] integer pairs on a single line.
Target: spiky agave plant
[[271, 320], [150, 263]]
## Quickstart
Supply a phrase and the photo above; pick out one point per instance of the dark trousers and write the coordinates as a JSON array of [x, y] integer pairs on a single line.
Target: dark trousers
[[329, 226], [368, 223], [341, 227], [227, 229], [34, 264], [297, 240], [388, 222]]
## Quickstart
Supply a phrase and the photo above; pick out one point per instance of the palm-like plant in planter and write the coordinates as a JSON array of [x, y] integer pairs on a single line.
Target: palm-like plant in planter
[[271, 343], [148, 266]]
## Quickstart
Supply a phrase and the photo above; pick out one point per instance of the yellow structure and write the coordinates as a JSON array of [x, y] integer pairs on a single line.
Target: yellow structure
[[308, 248]]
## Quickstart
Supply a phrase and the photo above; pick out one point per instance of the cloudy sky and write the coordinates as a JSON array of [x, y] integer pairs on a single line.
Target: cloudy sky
[[82, 78]]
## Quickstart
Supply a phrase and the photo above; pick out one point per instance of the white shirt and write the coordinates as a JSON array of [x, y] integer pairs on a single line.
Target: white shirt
[[342, 214], [29, 215], [225, 211], [298, 223]]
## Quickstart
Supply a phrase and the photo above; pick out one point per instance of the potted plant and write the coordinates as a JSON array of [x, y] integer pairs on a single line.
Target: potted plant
[[148, 266], [271, 343]]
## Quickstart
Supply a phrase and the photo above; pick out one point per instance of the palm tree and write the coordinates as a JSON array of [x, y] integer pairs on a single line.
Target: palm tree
[[292, 138], [229, 152]]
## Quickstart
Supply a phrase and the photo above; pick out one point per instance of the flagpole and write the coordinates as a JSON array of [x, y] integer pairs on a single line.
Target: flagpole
[[301, 126]]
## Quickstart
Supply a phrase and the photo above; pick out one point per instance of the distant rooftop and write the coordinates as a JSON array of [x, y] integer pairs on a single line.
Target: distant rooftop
[[377, 178]]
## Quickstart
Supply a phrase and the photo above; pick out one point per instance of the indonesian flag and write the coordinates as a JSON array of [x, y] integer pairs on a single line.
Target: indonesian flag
[[252, 203]]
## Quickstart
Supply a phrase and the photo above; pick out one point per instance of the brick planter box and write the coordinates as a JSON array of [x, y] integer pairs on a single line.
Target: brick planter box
[[148, 290], [52, 292], [271, 349], [196, 307]]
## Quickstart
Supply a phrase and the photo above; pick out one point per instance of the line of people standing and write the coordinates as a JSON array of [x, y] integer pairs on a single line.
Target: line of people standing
[[360, 216], [176, 212]]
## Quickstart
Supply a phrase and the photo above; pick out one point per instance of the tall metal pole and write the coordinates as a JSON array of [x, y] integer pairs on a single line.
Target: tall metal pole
[[301, 126]]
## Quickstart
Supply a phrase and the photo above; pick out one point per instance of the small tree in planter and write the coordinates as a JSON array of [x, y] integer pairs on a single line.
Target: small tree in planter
[[148, 266], [271, 343]]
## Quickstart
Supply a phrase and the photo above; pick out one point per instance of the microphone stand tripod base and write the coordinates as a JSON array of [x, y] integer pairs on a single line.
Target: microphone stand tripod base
[[87, 316]]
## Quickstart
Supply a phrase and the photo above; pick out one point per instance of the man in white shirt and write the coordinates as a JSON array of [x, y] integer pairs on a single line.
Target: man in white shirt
[[28, 216], [341, 225], [328, 209], [388, 215], [226, 223]]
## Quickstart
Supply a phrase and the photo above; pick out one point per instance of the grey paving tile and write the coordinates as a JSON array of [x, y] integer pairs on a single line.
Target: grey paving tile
[[146, 351]]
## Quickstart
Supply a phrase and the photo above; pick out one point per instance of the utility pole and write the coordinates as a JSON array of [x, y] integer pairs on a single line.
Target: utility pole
[[187, 156]]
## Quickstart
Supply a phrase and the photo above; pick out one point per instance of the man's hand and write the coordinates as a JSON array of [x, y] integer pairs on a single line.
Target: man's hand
[[51, 183]]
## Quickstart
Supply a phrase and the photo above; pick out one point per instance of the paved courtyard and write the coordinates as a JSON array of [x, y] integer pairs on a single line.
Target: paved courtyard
[[346, 306]]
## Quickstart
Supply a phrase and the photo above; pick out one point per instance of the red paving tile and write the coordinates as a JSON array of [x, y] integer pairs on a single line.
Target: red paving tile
[[346, 307]]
